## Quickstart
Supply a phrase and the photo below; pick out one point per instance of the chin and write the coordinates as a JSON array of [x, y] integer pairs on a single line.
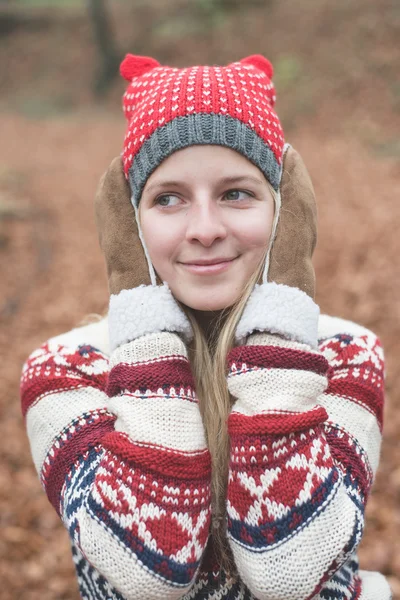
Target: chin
[[205, 300]]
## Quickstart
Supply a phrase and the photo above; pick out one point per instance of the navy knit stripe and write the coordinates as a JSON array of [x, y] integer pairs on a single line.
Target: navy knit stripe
[[171, 571], [279, 530]]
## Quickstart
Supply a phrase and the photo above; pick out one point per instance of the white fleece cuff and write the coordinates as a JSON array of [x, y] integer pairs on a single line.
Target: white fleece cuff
[[281, 309], [142, 310]]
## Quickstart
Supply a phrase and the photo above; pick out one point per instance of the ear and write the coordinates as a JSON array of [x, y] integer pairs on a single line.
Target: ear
[[134, 66], [261, 63]]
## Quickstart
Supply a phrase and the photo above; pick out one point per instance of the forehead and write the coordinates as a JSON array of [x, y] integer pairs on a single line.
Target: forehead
[[206, 161]]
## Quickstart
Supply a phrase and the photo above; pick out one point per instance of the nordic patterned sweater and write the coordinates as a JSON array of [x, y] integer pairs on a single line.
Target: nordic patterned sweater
[[118, 442]]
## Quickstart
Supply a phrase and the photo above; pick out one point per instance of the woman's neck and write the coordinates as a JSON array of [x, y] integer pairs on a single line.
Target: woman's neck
[[210, 321]]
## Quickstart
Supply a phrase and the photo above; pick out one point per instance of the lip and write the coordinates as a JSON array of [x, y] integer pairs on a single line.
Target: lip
[[209, 267], [211, 261]]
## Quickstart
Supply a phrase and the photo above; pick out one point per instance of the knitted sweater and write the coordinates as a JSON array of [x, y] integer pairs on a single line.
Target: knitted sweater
[[118, 442]]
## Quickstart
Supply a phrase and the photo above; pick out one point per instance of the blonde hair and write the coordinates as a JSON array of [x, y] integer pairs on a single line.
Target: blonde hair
[[208, 359]]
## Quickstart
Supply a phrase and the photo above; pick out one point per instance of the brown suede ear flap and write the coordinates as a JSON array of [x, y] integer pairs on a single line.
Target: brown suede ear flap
[[296, 237], [118, 231]]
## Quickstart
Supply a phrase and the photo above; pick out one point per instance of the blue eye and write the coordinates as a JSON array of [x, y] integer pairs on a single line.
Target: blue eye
[[164, 200], [237, 195]]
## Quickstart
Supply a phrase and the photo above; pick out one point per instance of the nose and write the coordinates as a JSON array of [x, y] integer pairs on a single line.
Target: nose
[[205, 223]]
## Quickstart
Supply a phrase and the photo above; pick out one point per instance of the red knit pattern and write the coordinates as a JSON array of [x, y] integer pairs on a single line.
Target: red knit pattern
[[245, 358], [65, 456], [276, 424], [68, 369], [195, 465], [152, 377], [363, 379], [242, 90], [350, 457]]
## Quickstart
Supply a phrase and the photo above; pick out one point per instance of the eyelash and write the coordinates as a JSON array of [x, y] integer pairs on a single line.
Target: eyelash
[[240, 191], [156, 201]]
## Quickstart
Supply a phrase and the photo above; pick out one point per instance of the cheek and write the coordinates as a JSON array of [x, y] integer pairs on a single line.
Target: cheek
[[253, 230], [161, 240]]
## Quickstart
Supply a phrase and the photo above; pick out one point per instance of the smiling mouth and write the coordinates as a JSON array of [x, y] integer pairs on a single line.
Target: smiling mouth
[[209, 268]]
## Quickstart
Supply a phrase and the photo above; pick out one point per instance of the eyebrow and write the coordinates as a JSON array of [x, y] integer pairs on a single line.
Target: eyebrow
[[158, 184], [240, 178], [223, 181]]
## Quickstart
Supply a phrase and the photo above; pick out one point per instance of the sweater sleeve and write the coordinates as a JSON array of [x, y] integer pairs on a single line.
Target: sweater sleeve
[[305, 437], [119, 446]]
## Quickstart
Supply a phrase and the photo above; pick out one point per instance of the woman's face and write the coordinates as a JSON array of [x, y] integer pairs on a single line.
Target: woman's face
[[206, 214]]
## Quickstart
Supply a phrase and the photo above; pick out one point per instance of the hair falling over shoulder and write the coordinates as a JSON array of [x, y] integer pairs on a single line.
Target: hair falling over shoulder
[[209, 365]]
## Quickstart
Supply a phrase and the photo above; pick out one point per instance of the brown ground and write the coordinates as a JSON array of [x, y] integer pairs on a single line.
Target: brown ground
[[339, 98]]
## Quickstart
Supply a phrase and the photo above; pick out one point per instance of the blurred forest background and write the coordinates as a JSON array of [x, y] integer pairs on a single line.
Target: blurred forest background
[[337, 67]]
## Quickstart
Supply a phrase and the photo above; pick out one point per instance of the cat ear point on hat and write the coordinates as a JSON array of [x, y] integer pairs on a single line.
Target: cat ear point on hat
[[260, 62], [134, 66]]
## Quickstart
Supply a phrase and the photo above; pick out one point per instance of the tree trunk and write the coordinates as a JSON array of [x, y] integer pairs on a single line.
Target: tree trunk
[[109, 57]]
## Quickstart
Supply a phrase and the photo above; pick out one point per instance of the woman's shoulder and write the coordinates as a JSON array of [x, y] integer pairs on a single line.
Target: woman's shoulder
[[93, 334], [330, 326]]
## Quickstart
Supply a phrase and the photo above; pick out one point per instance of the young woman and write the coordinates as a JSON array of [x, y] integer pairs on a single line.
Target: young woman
[[213, 436]]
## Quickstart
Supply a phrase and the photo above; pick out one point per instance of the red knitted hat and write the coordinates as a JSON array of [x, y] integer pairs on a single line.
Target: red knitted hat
[[169, 109]]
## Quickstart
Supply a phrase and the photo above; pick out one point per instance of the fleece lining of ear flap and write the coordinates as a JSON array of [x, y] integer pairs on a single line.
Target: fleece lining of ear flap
[[143, 310], [280, 309]]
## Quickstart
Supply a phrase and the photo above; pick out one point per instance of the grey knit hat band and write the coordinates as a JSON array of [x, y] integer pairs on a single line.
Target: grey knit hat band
[[201, 129]]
